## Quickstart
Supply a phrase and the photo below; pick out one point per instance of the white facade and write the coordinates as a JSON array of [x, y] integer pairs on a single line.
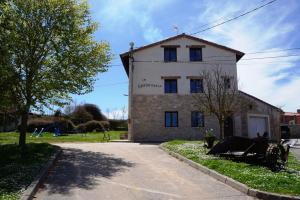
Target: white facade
[[149, 66]]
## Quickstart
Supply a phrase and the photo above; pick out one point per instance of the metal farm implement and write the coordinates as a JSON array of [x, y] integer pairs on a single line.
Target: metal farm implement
[[257, 150]]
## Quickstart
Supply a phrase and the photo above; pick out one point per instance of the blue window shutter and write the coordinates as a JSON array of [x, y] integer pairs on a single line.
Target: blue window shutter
[[195, 54]]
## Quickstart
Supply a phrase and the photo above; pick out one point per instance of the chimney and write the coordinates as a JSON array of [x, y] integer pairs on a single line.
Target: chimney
[[298, 111]]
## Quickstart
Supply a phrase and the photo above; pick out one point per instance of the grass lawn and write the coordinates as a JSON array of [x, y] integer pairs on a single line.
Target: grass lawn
[[284, 182], [13, 137], [17, 173]]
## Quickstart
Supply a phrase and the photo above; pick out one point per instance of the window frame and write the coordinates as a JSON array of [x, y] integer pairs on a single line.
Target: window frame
[[196, 79], [171, 123], [198, 125], [201, 55], [170, 79], [168, 48]]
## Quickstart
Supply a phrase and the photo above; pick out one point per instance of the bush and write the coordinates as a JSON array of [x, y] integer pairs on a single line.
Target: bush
[[38, 123], [86, 112], [91, 126], [105, 124], [95, 111], [49, 125], [80, 115], [118, 124]]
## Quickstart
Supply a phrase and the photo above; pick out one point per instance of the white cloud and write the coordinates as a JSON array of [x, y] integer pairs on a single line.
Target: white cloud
[[118, 15], [264, 29], [116, 113]]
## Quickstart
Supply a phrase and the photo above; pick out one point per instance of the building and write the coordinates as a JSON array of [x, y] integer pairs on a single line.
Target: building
[[291, 118], [290, 124], [162, 77]]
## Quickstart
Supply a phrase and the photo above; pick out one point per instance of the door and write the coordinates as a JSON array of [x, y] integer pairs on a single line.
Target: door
[[257, 124], [228, 127]]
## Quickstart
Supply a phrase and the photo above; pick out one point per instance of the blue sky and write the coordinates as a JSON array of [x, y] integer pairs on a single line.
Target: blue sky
[[273, 28]]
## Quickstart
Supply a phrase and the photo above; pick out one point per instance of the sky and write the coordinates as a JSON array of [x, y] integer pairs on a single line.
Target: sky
[[273, 28]]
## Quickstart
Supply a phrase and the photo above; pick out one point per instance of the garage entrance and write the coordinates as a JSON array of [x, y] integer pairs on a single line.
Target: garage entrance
[[257, 124]]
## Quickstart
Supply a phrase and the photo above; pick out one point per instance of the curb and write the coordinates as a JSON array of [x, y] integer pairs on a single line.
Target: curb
[[28, 194], [229, 181]]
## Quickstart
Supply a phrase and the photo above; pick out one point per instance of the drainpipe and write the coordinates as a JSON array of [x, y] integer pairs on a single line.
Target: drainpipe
[[131, 68]]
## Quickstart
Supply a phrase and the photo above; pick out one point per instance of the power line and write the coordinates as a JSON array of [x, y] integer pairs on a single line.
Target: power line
[[219, 19], [272, 51], [209, 61], [234, 18], [270, 57]]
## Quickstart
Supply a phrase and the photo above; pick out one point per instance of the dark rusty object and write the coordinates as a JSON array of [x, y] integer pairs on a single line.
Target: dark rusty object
[[257, 150]]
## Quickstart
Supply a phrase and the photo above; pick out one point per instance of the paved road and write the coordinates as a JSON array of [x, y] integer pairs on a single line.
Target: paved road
[[128, 171], [296, 152]]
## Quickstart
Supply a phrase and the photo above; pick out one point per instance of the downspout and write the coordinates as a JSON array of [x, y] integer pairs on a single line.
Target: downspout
[[131, 68]]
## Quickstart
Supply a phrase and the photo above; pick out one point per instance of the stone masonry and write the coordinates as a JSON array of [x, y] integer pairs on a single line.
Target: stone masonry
[[148, 116]]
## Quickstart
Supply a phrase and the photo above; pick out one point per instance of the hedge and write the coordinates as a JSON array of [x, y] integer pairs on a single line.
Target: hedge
[[91, 126]]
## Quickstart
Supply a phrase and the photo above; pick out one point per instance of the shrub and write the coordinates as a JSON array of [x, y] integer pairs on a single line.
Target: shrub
[[50, 124], [91, 126], [38, 123], [66, 126], [105, 124], [95, 111], [118, 124], [80, 115]]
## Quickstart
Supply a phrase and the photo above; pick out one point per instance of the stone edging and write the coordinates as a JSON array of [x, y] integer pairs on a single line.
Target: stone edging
[[34, 186], [229, 181]]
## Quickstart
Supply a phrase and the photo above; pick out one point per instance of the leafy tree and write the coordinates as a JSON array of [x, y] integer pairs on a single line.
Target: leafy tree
[[95, 111], [50, 53], [81, 115]]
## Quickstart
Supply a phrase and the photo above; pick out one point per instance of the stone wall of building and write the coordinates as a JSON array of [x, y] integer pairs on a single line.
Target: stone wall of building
[[148, 118], [254, 106]]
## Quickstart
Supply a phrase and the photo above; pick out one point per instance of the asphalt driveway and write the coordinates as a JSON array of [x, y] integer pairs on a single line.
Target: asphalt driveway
[[128, 171]]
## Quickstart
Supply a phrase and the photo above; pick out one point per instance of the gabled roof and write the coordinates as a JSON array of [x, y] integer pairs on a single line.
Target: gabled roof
[[257, 99], [125, 56]]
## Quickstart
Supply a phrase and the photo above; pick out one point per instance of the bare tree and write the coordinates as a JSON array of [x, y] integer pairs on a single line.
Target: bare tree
[[124, 111], [107, 113], [115, 114], [220, 96]]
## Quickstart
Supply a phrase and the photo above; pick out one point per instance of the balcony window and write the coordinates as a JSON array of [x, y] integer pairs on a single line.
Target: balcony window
[[195, 54], [170, 54], [196, 85], [170, 85]]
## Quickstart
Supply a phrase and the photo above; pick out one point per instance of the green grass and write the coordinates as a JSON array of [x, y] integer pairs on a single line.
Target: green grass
[[13, 137], [258, 177], [17, 173]]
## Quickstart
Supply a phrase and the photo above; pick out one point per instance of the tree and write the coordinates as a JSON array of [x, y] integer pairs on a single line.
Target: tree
[[95, 111], [81, 115], [124, 111], [50, 53], [220, 96]]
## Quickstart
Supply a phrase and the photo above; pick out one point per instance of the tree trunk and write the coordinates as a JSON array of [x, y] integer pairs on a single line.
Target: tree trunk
[[23, 128]]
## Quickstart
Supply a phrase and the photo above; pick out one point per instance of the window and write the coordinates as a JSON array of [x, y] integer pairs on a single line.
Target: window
[[170, 54], [197, 119], [227, 83], [196, 85], [170, 85], [195, 54], [171, 119]]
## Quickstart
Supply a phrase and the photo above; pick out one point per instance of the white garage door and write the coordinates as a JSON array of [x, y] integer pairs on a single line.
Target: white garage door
[[257, 124]]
